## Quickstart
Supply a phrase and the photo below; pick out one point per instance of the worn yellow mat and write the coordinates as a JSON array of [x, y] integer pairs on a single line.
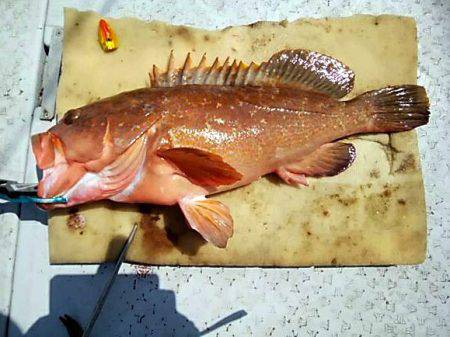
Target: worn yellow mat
[[374, 213]]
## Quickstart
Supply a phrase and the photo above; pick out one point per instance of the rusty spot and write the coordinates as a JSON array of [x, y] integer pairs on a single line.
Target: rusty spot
[[326, 213], [407, 164], [76, 221], [206, 37], [401, 202], [306, 228], [346, 201], [376, 23], [334, 261], [386, 193], [233, 49], [284, 23], [184, 32], [374, 173]]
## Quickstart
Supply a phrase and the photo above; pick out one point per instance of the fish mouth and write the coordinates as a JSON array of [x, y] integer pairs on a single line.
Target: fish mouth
[[58, 175], [76, 181], [60, 178]]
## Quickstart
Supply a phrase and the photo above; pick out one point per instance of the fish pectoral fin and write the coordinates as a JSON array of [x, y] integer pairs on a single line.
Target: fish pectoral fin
[[305, 69], [202, 167], [328, 160], [210, 218]]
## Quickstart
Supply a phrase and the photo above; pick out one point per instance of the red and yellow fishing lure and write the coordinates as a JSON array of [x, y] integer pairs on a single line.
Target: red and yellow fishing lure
[[107, 37]]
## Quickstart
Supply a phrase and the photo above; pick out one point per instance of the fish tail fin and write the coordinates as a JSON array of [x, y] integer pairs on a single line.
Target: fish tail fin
[[395, 108]]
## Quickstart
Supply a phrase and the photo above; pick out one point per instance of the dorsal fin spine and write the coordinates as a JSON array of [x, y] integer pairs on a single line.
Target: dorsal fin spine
[[299, 68], [230, 74], [211, 77], [186, 67]]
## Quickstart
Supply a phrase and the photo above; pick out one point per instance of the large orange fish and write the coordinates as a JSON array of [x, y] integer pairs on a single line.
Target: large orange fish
[[202, 130]]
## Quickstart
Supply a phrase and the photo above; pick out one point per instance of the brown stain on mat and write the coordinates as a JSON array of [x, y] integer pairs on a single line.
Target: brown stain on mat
[[344, 200], [380, 207], [75, 220], [185, 33], [165, 229], [401, 202], [209, 38], [375, 173], [408, 164]]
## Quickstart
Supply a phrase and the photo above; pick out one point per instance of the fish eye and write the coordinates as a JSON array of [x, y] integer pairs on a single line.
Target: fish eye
[[70, 117]]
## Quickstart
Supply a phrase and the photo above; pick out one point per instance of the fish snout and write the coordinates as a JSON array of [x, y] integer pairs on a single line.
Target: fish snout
[[43, 149]]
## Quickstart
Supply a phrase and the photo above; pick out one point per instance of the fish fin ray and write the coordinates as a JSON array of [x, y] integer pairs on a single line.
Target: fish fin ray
[[202, 167], [394, 108], [328, 160], [122, 171], [307, 70], [209, 217], [291, 178]]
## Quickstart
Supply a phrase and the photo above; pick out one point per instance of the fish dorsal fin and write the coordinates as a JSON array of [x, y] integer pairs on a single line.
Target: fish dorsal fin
[[307, 70]]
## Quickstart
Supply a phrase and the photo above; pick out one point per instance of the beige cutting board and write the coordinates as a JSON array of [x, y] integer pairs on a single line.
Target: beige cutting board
[[374, 213]]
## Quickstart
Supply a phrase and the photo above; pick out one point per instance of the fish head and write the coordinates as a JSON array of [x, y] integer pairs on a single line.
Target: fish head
[[93, 152]]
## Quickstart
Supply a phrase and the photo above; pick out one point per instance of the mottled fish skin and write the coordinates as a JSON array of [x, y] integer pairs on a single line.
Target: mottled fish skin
[[254, 129]]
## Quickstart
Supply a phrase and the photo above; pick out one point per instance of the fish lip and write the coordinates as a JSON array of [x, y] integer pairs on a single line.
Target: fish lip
[[42, 145], [60, 179], [65, 194]]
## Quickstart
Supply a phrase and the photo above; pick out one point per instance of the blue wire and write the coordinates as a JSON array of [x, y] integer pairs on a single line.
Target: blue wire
[[26, 199]]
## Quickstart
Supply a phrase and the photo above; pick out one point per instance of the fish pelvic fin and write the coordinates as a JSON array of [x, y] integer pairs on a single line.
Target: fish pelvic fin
[[307, 70], [394, 108], [209, 217]]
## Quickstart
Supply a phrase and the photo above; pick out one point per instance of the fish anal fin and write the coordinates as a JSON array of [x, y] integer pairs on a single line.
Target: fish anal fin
[[201, 167], [291, 178], [209, 217], [328, 160], [301, 68]]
